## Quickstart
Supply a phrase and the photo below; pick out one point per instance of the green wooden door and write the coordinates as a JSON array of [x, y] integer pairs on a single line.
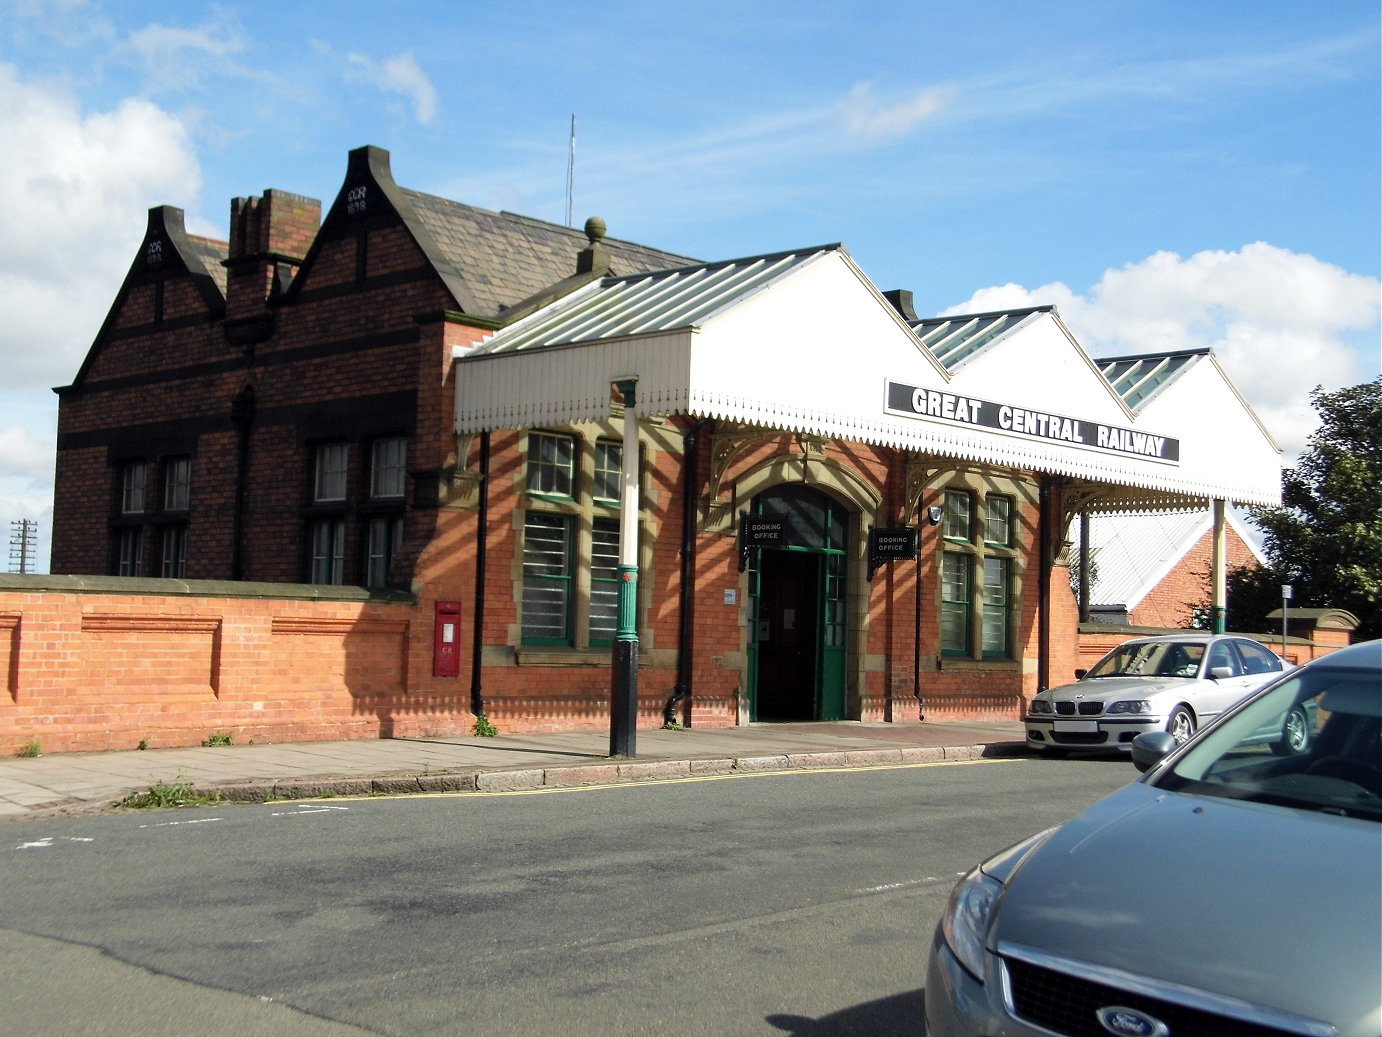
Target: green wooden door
[[832, 626], [797, 644]]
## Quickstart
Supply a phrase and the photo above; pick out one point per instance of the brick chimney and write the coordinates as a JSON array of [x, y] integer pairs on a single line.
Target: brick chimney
[[901, 299], [269, 237]]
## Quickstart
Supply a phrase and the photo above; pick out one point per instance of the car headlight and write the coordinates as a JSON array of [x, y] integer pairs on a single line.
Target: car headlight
[[1041, 706], [968, 914], [1131, 706]]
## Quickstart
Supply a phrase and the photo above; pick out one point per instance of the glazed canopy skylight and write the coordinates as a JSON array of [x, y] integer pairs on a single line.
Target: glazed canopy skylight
[[1135, 378], [952, 340], [642, 304]]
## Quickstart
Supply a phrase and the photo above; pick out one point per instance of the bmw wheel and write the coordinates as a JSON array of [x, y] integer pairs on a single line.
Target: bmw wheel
[[1295, 734], [1181, 724]]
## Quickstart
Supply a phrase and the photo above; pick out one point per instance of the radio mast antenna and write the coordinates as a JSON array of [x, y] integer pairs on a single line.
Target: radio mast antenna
[[571, 170]]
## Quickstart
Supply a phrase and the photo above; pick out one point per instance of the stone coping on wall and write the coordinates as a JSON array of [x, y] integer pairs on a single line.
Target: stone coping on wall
[[155, 586]]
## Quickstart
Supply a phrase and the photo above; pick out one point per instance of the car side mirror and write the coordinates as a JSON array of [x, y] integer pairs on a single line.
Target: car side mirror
[[1079, 674], [1150, 748], [1220, 672]]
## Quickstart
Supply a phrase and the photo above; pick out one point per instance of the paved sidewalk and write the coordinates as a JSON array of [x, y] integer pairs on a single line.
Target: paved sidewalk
[[68, 783]]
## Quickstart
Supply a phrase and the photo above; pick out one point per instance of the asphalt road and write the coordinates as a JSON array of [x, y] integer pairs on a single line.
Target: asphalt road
[[798, 903]]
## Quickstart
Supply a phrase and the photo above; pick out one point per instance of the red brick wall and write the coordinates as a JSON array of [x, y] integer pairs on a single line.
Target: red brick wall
[[1169, 603], [83, 671]]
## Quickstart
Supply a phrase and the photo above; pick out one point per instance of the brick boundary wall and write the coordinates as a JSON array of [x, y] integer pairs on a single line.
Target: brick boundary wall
[[91, 669], [101, 663]]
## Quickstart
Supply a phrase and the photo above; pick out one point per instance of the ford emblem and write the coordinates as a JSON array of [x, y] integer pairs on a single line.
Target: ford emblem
[[1129, 1022]]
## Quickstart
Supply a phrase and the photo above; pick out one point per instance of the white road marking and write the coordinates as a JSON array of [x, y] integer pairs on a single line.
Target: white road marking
[[316, 809], [47, 842], [194, 821]]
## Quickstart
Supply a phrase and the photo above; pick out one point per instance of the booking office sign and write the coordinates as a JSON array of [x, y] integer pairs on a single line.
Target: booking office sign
[[1030, 423]]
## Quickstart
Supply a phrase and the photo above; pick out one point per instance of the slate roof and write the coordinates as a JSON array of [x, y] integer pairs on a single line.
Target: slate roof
[[213, 255], [504, 258]]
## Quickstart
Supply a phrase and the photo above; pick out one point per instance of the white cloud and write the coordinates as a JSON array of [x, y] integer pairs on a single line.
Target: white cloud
[[71, 216], [26, 454], [26, 471], [400, 74], [72, 213], [865, 116], [1280, 322]]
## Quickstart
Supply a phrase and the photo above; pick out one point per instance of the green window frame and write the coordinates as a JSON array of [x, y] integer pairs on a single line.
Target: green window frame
[[957, 582], [604, 581], [997, 606], [551, 468], [547, 578], [609, 461], [998, 522], [957, 515]]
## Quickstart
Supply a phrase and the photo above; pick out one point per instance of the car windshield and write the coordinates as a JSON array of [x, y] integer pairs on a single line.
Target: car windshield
[[1331, 717], [1151, 659]]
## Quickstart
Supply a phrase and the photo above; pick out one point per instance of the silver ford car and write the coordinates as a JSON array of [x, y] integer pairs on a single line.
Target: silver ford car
[[1233, 890]]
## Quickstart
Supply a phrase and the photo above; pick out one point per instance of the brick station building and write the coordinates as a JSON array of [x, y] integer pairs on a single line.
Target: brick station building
[[843, 511]]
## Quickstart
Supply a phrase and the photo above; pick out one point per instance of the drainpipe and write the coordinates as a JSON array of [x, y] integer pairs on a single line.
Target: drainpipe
[[685, 641], [1084, 567], [1045, 525], [477, 697]]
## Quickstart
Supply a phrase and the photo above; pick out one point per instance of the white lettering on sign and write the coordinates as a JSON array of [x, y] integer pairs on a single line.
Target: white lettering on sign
[[1035, 423], [357, 199], [946, 405], [1130, 442], [914, 402]]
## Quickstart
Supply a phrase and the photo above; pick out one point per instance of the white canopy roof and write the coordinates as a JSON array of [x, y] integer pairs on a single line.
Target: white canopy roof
[[803, 342]]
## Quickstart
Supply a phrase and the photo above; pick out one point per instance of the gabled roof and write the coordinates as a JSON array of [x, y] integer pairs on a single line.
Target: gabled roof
[[504, 258], [488, 261], [1132, 553], [802, 341], [1139, 378], [642, 304], [166, 251], [212, 254], [953, 340]]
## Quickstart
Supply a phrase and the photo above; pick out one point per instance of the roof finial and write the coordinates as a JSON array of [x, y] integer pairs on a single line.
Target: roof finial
[[594, 229]]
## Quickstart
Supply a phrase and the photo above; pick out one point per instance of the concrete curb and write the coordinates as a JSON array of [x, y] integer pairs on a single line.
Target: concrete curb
[[611, 773]]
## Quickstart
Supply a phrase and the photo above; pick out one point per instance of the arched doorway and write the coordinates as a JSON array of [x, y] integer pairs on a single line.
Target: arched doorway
[[796, 657]]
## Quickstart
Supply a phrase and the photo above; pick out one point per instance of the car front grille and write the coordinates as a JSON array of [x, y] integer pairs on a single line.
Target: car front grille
[[1067, 1004], [1079, 737], [1084, 709]]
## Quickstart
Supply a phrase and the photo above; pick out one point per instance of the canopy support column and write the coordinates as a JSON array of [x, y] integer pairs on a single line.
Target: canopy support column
[[623, 713], [1219, 569]]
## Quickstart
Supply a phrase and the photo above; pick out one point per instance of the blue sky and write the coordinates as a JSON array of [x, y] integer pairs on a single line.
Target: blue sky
[[1169, 174]]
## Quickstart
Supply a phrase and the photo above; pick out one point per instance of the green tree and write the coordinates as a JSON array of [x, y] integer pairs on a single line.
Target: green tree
[[1253, 592], [1326, 538]]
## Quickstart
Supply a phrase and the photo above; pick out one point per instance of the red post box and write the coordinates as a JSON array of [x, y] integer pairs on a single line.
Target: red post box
[[446, 639]]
